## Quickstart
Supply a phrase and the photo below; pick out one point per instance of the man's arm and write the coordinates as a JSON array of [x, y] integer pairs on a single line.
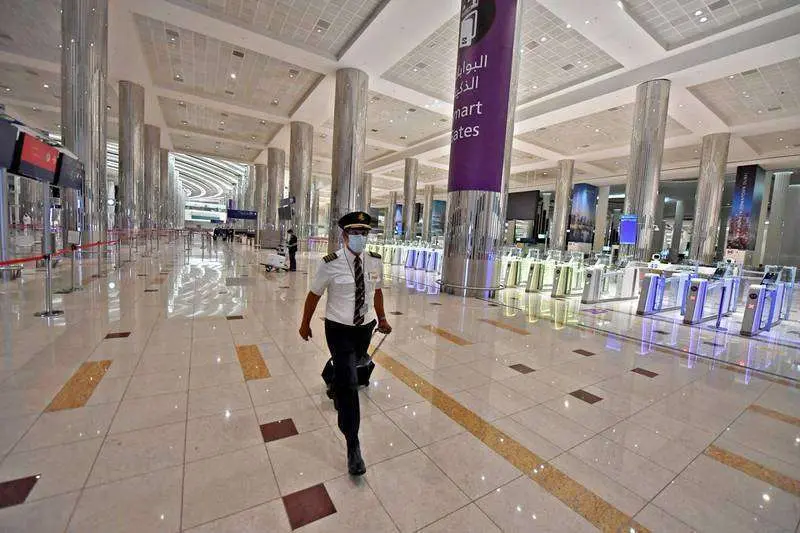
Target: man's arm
[[308, 313], [383, 324]]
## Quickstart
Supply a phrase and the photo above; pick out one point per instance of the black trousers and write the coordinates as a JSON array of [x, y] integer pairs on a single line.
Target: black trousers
[[292, 259], [347, 344]]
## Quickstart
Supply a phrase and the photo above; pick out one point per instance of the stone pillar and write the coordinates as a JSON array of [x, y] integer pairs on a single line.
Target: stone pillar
[[152, 168], [647, 149], [677, 229], [349, 144], [131, 156], [601, 218], [260, 204], [410, 199], [164, 190], [657, 241], [276, 170], [300, 149], [389, 221], [84, 66], [480, 150], [427, 213], [366, 191], [313, 216], [172, 213], [778, 233], [561, 209], [708, 198]]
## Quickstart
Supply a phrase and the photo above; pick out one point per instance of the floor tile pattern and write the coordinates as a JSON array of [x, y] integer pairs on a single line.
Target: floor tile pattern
[[77, 391], [308, 505]]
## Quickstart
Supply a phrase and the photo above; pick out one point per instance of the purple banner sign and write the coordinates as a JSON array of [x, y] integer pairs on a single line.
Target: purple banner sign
[[483, 82], [746, 208]]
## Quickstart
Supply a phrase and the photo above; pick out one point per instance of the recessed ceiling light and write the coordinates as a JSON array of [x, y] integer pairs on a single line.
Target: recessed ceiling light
[[35, 108], [535, 86], [293, 73], [544, 173], [45, 86], [374, 130], [7, 89], [569, 26], [182, 103], [185, 135], [586, 21], [597, 130], [698, 13], [323, 135], [108, 107], [403, 137], [543, 38], [275, 101], [704, 19], [262, 122], [233, 75], [620, 5], [178, 77], [185, 122], [731, 77], [253, 137], [780, 139], [415, 69]]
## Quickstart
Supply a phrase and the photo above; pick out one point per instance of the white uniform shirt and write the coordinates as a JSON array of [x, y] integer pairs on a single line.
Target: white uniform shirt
[[337, 276]]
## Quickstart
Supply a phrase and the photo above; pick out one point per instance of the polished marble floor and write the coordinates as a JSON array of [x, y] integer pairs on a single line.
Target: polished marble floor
[[175, 395]]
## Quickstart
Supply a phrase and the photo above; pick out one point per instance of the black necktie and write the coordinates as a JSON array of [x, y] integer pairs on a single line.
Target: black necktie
[[358, 272]]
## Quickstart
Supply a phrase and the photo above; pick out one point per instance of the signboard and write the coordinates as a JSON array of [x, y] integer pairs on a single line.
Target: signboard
[[480, 107], [746, 208], [35, 159], [8, 142], [286, 202], [242, 215], [628, 229], [70, 173], [437, 217], [583, 213]]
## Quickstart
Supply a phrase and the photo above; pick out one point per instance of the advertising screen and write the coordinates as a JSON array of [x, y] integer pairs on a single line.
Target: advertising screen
[[8, 141], [628, 229], [70, 173], [35, 159], [583, 213]]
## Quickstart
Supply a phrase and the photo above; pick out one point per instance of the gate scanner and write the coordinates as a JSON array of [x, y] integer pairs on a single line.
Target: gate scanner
[[655, 287], [701, 292], [605, 285], [765, 302]]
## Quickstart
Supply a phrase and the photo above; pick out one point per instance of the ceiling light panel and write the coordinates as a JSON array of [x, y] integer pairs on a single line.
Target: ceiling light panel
[[394, 119], [203, 119], [674, 23], [598, 131], [385, 184], [205, 65], [42, 119], [425, 174], [531, 178], [518, 157], [781, 142], [208, 178], [762, 94], [682, 156], [213, 148], [541, 66], [28, 84], [32, 29], [321, 26]]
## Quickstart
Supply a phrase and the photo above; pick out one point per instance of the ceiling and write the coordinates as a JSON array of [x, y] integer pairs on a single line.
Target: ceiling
[[223, 79]]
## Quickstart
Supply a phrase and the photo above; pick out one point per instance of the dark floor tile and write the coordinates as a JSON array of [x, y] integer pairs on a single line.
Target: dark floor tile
[[661, 332], [587, 397], [435, 303], [308, 505], [644, 372], [522, 369], [395, 313], [119, 335], [585, 353], [235, 317], [151, 290], [15, 491], [714, 344], [278, 430], [285, 287]]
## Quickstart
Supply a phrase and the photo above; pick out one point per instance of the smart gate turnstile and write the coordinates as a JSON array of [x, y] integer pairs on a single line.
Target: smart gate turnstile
[[655, 287], [763, 305], [702, 289], [604, 285]]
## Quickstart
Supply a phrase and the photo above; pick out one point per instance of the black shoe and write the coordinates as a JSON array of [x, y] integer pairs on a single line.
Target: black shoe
[[355, 463]]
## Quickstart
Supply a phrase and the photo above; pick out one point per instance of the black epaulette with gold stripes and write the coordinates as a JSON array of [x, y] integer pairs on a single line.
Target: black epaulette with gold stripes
[[375, 255], [330, 257]]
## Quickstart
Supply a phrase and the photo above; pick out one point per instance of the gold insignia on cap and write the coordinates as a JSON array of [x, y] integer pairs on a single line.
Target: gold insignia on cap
[[361, 217]]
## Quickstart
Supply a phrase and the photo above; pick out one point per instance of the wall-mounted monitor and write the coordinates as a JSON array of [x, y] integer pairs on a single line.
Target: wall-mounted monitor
[[35, 159], [628, 229], [8, 142], [69, 173]]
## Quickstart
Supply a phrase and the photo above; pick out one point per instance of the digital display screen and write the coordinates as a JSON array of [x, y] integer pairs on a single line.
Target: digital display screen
[[285, 213], [35, 159], [70, 173], [628, 229], [8, 141]]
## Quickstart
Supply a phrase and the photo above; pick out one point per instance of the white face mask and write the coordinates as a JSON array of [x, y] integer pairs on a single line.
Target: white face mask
[[357, 243]]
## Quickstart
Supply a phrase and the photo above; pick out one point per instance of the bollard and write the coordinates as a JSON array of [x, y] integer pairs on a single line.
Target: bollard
[[49, 312]]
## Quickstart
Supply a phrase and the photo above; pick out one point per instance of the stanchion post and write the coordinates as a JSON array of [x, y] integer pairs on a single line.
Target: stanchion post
[[118, 246]]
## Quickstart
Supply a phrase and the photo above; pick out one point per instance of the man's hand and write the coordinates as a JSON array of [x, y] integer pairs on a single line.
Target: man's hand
[[384, 327], [305, 331]]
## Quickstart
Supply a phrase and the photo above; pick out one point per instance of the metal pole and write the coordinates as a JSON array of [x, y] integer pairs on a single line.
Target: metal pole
[[47, 250], [4, 235]]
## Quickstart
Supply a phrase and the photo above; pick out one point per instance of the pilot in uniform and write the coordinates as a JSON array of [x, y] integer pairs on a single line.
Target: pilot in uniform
[[353, 279]]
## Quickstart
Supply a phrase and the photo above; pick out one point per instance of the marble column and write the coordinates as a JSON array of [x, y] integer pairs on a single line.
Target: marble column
[[276, 170], [601, 218], [389, 221], [300, 149], [675, 247], [313, 216], [708, 198], [410, 198], [131, 156], [647, 148], [566, 167], [657, 241], [485, 96], [778, 234], [162, 200], [427, 213], [152, 178], [366, 191], [260, 204], [349, 145], [84, 66]]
